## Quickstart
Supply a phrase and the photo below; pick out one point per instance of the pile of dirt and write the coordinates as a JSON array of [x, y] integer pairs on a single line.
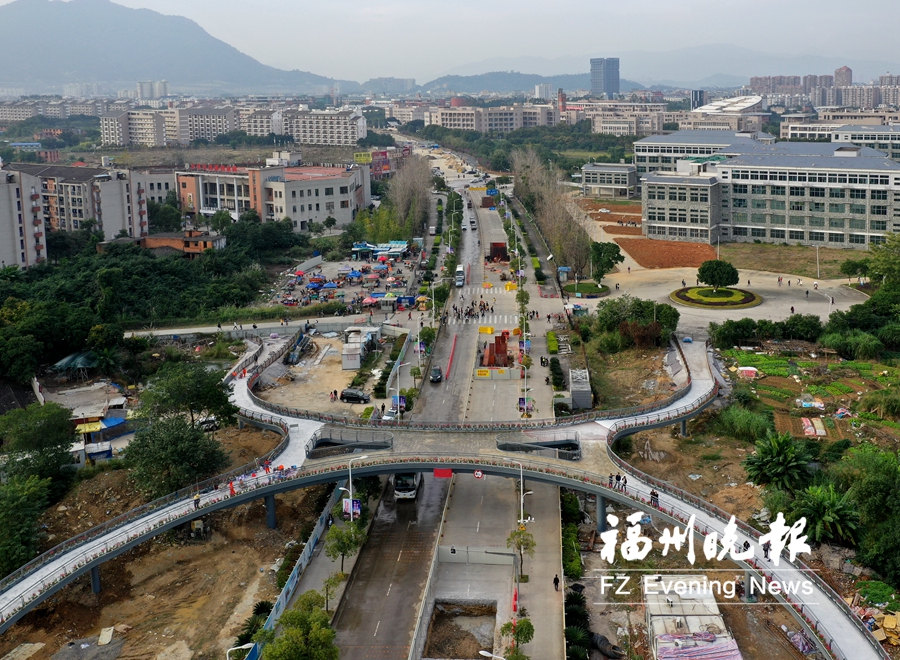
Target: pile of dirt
[[666, 254]]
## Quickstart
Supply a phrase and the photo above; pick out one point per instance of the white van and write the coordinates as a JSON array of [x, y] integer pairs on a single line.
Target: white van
[[432, 231]]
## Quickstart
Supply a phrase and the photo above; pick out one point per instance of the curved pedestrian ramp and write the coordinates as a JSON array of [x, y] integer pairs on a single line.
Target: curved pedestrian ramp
[[334, 441], [564, 445]]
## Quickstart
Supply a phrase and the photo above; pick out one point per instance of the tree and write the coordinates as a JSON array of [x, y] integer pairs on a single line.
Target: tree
[[521, 632], [250, 216], [20, 356], [171, 454], [190, 389], [37, 441], [329, 587], [316, 228], [220, 220], [344, 540], [830, 516], [416, 373], [306, 633], [779, 461], [22, 502], [718, 274], [522, 542], [885, 260], [605, 256], [167, 219], [105, 336], [330, 222], [855, 268]]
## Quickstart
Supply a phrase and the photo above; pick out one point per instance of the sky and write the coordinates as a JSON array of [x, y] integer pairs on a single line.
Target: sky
[[425, 39]]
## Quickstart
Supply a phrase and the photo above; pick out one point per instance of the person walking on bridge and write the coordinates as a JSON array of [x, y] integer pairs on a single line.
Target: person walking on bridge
[[556, 582], [196, 501]]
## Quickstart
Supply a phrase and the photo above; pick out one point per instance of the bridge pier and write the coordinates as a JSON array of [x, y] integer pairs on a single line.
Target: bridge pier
[[240, 422], [601, 514], [95, 579], [684, 432], [271, 520]]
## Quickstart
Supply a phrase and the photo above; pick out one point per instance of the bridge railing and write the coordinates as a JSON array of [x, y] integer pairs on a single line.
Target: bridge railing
[[350, 437], [141, 511]]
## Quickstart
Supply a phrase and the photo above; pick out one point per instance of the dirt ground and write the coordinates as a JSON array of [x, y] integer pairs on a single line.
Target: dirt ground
[[181, 597], [631, 378], [621, 230], [787, 259], [449, 635], [313, 378], [666, 254]]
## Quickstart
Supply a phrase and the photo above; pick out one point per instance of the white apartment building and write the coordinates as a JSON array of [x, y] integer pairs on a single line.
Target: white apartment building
[[343, 127], [158, 128], [22, 241], [146, 128], [495, 120]]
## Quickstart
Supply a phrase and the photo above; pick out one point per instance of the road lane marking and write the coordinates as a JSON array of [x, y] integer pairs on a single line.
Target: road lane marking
[[376, 629], [389, 588], [398, 556], [478, 527]]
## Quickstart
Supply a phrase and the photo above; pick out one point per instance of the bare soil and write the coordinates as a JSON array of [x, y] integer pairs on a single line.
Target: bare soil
[[448, 639], [621, 230], [181, 597], [666, 254], [630, 378]]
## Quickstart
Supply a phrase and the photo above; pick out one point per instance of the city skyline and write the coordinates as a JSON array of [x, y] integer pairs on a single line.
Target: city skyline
[[560, 35]]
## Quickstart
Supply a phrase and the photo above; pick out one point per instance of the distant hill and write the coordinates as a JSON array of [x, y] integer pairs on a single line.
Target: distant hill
[[513, 81], [47, 44]]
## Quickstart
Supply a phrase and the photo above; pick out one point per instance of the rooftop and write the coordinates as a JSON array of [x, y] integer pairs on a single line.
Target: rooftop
[[705, 137], [610, 167], [72, 174], [868, 129], [754, 148], [314, 172], [737, 104], [692, 180], [814, 162]]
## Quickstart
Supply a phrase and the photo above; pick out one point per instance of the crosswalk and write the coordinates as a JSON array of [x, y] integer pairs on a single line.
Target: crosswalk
[[473, 292], [499, 320]]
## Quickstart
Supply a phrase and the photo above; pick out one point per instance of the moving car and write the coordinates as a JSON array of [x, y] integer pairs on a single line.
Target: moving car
[[351, 395], [437, 375], [391, 415]]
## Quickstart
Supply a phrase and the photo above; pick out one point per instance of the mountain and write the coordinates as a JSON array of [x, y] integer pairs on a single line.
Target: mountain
[[686, 67], [513, 81], [47, 44]]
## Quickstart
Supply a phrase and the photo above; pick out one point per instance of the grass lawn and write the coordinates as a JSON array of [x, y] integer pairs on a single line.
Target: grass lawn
[[788, 259]]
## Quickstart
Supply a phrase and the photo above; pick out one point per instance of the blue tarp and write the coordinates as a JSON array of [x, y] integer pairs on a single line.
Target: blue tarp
[[313, 285], [330, 285], [109, 422], [354, 273]]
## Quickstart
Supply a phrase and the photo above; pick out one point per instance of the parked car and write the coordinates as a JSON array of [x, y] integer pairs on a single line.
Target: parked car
[[208, 423], [437, 375], [391, 415], [351, 395]]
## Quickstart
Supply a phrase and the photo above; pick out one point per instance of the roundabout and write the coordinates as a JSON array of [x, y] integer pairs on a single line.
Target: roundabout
[[723, 298]]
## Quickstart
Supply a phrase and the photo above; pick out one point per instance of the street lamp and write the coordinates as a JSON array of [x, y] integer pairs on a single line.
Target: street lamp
[[488, 654], [521, 491], [350, 479], [242, 647]]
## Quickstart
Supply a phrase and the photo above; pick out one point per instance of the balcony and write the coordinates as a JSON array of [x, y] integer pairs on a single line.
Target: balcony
[[35, 196], [38, 247], [38, 222], [142, 212], [35, 209], [141, 202], [140, 191], [38, 235]]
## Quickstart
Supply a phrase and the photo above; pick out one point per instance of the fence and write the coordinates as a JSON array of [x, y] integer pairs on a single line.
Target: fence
[[347, 437], [544, 445]]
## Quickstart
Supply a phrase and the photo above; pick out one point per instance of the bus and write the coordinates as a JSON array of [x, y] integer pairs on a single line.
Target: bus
[[406, 485], [460, 276]]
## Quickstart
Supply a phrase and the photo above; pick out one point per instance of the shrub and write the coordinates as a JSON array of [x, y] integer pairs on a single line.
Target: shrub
[[610, 342], [539, 275], [571, 510], [535, 263], [743, 424], [572, 567], [552, 343]]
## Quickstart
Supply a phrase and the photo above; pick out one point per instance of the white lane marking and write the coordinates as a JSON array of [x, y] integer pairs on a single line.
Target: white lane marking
[[398, 556], [389, 588], [376, 629]]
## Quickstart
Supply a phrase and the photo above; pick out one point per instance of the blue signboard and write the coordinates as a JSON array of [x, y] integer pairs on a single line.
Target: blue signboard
[[492, 191]]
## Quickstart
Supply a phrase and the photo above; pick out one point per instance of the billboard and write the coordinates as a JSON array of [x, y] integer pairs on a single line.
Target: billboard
[[362, 157]]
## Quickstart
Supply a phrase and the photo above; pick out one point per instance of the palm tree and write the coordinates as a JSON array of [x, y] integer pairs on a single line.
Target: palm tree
[[10, 273], [107, 360], [830, 516], [778, 461]]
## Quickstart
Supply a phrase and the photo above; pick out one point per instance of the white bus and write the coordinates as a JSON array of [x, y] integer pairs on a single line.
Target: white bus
[[406, 485], [460, 276]]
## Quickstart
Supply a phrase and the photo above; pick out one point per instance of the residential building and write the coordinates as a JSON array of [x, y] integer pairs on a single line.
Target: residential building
[[191, 243], [494, 120], [841, 196], [152, 89], [22, 229], [543, 92], [146, 128], [343, 127], [605, 76], [81, 90], [843, 77], [158, 128], [303, 194], [608, 180]]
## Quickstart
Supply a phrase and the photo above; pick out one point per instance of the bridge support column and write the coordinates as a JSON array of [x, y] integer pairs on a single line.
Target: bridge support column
[[240, 423], [95, 579], [684, 432], [271, 520], [601, 514]]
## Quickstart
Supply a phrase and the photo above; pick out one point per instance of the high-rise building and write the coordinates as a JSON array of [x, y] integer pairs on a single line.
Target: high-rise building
[[152, 89], [542, 92], [698, 98], [843, 77], [604, 76]]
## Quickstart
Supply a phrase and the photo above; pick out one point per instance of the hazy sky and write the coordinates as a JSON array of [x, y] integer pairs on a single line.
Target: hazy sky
[[424, 39]]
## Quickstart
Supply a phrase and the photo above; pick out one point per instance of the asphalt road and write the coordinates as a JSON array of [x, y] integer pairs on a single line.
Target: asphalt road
[[378, 611]]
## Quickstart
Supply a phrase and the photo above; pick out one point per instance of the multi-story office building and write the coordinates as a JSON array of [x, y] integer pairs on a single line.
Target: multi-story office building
[[604, 76], [494, 120], [608, 180], [808, 193], [843, 77], [543, 91], [882, 138], [698, 98], [662, 152], [152, 89], [302, 194]]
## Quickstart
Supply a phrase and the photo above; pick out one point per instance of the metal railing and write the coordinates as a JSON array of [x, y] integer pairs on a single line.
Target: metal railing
[[543, 445], [349, 438]]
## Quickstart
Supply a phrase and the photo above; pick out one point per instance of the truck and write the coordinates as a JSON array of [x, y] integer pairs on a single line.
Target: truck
[[460, 276]]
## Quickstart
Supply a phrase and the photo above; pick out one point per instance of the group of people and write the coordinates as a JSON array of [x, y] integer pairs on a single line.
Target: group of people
[[472, 311], [654, 498], [621, 481], [333, 395]]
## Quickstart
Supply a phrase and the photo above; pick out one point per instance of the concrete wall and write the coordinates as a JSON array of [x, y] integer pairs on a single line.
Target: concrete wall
[[450, 554]]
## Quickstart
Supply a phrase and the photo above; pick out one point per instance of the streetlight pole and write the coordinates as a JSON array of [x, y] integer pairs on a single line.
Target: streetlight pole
[[521, 491], [350, 479]]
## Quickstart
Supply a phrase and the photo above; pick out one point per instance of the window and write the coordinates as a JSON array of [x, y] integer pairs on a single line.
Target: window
[[835, 238], [796, 235], [183, 184], [344, 190], [739, 188], [876, 240], [294, 194], [758, 232], [857, 194], [778, 205], [777, 233], [329, 191], [739, 203], [878, 210], [758, 190], [878, 225], [758, 218], [329, 206], [817, 235], [758, 203], [817, 207], [836, 193], [836, 223], [798, 206], [739, 217], [836, 208], [167, 185], [859, 209], [817, 221], [740, 231], [778, 190], [878, 194], [295, 208], [151, 185], [778, 220], [857, 223], [857, 239], [317, 207], [797, 191], [317, 192], [723, 231], [816, 192], [797, 220], [345, 203]]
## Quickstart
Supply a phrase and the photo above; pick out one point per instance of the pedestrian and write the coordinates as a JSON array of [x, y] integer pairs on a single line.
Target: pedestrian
[[254, 326], [816, 286], [698, 281], [629, 270], [792, 310], [748, 282], [832, 300], [746, 545], [335, 395], [235, 326], [382, 410], [807, 294], [610, 480], [618, 480], [617, 286], [556, 582], [624, 483], [219, 326], [683, 284], [196, 501], [767, 546], [409, 318]]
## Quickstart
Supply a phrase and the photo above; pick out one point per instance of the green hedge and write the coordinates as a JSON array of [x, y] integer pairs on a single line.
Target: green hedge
[[535, 262], [552, 343]]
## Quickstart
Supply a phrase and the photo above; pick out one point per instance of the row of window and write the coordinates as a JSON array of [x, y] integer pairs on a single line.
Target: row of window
[[812, 207], [801, 191], [794, 235], [814, 177], [613, 179], [808, 221], [694, 151], [697, 216], [683, 232], [678, 193]]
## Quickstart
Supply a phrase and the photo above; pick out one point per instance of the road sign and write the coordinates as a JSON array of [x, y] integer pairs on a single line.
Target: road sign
[[521, 528], [479, 474], [492, 192]]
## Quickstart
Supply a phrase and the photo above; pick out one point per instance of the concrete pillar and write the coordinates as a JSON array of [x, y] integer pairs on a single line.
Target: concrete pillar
[[95, 579], [601, 514], [240, 422], [271, 521], [684, 428]]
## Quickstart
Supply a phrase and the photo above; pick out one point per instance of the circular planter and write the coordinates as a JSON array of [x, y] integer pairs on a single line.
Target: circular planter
[[706, 297]]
